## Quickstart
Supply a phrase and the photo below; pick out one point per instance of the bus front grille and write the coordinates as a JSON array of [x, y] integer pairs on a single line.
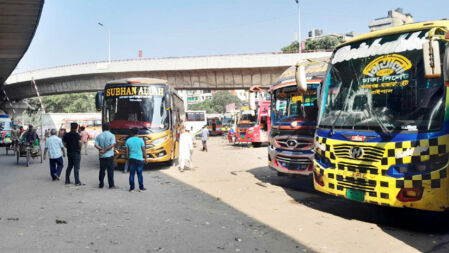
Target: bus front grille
[[370, 154]]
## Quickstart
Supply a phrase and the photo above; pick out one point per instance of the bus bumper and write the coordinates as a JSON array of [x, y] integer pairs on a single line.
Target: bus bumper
[[290, 162], [388, 191]]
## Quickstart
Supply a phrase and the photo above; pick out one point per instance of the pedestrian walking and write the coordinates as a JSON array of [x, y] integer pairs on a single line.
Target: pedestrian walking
[[15, 134], [46, 134], [72, 142], [185, 149], [136, 153], [55, 149], [192, 133], [84, 138], [105, 143], [204, 136]]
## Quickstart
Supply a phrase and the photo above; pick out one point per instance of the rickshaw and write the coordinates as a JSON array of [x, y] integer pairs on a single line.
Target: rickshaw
[[29, 151]]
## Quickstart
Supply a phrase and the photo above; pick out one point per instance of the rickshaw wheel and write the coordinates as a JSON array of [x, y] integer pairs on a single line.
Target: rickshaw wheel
[[18, 156]]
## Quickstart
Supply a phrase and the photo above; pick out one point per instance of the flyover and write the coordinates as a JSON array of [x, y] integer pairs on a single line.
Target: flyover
[[18, 23], [221, 72]]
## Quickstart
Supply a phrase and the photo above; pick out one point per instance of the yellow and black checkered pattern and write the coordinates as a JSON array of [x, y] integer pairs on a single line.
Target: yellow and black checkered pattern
[[371, 177]]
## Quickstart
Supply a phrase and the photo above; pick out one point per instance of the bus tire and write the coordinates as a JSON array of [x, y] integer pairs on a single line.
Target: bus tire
[[257, 144], [281, 174]]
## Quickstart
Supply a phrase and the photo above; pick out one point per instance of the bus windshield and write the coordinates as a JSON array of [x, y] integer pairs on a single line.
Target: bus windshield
[[146, 112], [290, 105], [248, 118], [379, 84]]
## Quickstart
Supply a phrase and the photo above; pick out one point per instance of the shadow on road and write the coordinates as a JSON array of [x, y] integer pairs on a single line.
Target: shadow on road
[[425, 231]]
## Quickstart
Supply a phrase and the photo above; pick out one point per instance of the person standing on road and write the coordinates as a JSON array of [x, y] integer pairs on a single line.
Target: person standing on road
[[46, 134], [105, 143], [204, 135], [84, 138], [56, 151], [72, 141], [136, 153], [15, 134], [192, 133], [185, 149]]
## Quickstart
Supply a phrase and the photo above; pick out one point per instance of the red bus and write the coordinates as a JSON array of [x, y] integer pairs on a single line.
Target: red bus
[[254, 125]]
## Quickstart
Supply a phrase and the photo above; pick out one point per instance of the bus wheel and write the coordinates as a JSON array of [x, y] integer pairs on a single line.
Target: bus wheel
[[280, 174], [120, 166], [257, 144]]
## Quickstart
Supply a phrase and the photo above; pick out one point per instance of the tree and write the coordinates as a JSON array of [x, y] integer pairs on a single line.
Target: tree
[[293, 47], [66, 103], [206, 105], [217, 104], [326, 42], [223, 98]]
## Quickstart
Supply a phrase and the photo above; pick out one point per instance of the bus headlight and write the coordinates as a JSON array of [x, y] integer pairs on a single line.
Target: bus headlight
[[429, 166], [159, 141]]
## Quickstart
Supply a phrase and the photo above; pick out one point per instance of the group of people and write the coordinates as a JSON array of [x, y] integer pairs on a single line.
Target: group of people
[[81, 130], [74, 141], [21, 137]]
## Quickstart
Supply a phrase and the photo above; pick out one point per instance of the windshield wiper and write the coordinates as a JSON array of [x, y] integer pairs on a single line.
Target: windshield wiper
[[382, 126]]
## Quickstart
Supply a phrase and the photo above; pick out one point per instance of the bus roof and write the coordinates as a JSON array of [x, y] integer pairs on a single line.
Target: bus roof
[[399, 29], [135, 80]]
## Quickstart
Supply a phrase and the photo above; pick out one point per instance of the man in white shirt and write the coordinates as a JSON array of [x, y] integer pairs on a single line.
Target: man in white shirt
[[185, 149], [56, 151]]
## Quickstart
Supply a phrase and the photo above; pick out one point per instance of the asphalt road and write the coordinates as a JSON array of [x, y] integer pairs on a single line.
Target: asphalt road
[[40, 215], [231, 203]]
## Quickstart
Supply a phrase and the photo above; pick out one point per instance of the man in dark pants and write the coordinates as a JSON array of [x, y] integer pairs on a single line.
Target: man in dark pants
[[105, 143], [55, 149], [136, 153], [72, 142]]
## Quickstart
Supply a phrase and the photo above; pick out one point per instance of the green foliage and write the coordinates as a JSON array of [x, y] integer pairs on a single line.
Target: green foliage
[[327, 42], [217, 104], [66, 103], [223, 98], [293, 47], [206, 105]]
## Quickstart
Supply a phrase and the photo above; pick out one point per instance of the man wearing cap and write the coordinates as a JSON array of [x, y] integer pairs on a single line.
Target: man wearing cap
[[72, 141]]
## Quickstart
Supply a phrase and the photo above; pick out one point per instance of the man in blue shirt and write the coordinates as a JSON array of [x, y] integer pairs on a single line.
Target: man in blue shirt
[[105, 143], [56, 151], [136, 152]]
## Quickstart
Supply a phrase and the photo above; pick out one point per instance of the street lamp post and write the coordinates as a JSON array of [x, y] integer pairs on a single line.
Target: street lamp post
[[109, 41], [299, 27]]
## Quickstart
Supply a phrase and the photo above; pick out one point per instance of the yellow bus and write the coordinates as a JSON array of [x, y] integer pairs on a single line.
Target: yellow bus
[[383, 129], [149, 104]]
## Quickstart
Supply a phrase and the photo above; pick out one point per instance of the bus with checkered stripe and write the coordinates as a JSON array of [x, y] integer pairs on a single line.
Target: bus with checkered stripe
[[383, 126]]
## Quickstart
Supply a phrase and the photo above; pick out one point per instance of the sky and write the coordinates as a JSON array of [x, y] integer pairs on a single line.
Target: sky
[[68, 32]]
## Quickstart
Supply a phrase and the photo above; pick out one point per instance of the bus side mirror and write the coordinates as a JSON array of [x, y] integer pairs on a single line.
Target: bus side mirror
[[167, 102], [99, 101], [432, 61], [300, 76]]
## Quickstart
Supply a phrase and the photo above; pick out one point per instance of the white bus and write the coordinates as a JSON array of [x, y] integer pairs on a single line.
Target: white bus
[[195, 119]]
